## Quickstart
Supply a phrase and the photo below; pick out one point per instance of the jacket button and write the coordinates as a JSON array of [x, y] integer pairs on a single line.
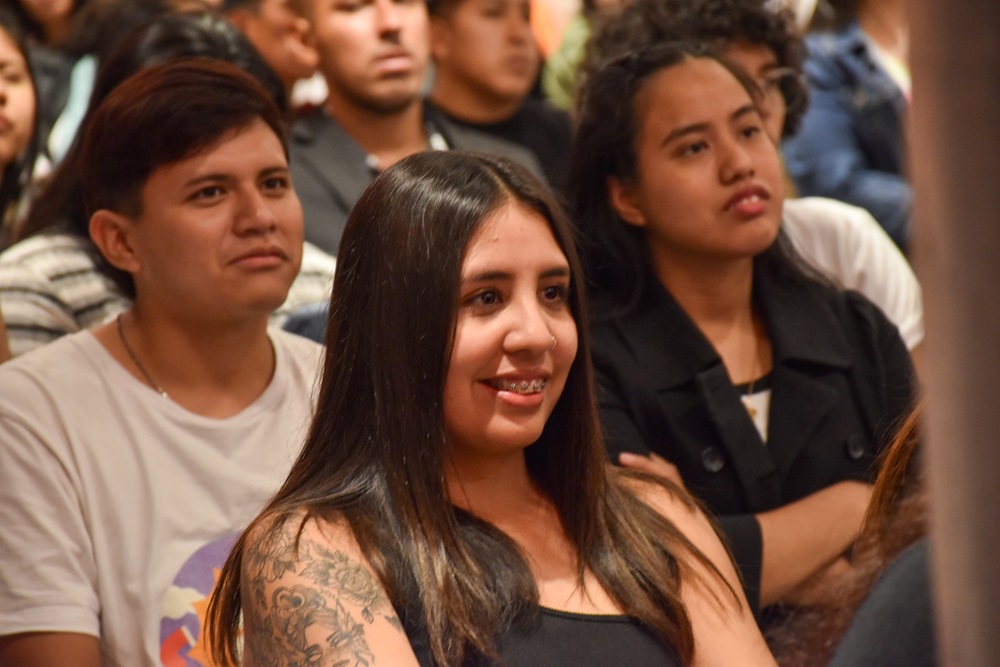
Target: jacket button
[[855, 446], [712, 459]]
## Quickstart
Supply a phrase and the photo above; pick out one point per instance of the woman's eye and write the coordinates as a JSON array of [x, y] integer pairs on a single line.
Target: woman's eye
[[695, 148], [750, 131], [556, 293], [484, 299]]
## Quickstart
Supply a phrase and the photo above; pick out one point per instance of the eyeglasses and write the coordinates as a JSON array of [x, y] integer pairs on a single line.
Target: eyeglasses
[[784, 84]]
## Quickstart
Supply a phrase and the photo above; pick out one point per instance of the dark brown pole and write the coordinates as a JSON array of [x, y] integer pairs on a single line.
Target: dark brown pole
[[955, 162]]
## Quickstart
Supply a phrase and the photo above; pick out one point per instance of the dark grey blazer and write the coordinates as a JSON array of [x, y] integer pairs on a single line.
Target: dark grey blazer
[[330, 171]]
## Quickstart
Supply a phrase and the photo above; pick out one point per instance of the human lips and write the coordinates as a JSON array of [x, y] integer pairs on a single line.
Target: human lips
[[532, 386], [525, 382], [394, 60], [749, 201], [520, 64], [261, 257]]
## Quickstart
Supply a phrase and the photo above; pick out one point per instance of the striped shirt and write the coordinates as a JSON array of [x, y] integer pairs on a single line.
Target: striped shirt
[[52, 285]]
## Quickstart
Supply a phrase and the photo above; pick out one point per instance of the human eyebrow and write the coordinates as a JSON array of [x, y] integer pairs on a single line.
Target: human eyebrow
[[677, 133], [487, 276], [556, 272], [206, 178], [745, 110], [275, 169]]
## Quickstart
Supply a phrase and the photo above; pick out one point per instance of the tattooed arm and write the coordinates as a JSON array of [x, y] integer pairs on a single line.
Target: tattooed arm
[[319, 605]]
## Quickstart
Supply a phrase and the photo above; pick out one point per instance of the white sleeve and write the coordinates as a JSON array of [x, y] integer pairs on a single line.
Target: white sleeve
[[47, 569], [847, 245]]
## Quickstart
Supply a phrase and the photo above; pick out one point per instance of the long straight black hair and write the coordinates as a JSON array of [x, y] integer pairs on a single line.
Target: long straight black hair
[[375, 456]]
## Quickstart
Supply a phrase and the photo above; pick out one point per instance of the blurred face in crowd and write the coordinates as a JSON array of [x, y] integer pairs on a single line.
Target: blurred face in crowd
[[281, 36], [487, 48], [761, 64], [17, 101], [373, 53], [52, 15]]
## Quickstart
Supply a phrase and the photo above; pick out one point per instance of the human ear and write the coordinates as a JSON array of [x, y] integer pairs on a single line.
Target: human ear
[[240, 18], [622, 198], [439, 38], [111, 233]]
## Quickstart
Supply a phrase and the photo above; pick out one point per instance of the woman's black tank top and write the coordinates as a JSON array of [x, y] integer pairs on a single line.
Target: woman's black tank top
[[561, 638]]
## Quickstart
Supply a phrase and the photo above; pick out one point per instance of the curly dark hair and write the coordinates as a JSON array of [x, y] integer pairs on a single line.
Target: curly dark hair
[[717, 22]]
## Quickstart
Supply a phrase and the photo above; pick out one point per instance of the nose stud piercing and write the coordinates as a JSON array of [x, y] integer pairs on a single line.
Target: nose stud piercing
[[554, 342]]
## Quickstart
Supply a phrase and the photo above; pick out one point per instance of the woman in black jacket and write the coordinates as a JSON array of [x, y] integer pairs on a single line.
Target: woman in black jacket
[[766, 390]]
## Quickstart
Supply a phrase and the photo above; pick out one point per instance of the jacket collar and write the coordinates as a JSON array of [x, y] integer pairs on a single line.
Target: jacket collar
[[801, 323]]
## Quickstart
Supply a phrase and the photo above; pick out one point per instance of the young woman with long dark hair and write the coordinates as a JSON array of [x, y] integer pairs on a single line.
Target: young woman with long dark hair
[[452, 504]]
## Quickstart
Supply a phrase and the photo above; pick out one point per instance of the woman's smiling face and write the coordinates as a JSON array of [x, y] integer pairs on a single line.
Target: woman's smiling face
[[505, 376]]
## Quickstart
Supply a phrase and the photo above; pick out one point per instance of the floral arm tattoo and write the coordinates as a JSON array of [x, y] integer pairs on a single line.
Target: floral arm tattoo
[[336, 588]]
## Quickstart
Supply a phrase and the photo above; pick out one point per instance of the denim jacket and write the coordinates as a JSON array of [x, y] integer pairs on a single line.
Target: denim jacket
[[850, 146]]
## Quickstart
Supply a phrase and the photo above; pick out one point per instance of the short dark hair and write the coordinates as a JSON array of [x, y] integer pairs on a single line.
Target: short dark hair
[[644, 23], [60, 204], [159, 116]]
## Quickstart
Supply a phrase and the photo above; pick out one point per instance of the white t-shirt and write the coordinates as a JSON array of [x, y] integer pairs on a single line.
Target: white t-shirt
[[847, 245], [118, 506]]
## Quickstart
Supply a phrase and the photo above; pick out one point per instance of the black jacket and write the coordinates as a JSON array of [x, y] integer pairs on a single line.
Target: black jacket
[[842, 380]]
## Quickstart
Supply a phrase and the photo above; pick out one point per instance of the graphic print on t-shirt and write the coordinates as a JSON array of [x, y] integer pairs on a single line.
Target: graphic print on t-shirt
[[185, 605]]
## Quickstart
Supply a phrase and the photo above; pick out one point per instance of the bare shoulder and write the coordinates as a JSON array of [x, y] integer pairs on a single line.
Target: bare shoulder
[[310, 597], [725, 632], [670, 501], [680, 509]]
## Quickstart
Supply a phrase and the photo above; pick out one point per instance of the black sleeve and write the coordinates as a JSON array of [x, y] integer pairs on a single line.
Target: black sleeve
[[622, 433], [741, 533], [893, 368]]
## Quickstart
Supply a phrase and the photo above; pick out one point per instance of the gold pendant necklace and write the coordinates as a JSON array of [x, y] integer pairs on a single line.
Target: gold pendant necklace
[[745, 398]]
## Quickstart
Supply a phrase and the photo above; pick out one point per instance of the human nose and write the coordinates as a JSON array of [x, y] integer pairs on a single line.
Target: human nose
[[518, 27], [736, 162], [387, 17], [255, 215], [528, 327]]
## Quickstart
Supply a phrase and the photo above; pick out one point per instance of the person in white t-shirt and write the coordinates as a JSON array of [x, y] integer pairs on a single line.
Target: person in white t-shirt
[[133, 454]]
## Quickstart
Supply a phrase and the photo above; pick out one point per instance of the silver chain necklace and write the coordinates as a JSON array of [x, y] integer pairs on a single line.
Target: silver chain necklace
[[135, 360]]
